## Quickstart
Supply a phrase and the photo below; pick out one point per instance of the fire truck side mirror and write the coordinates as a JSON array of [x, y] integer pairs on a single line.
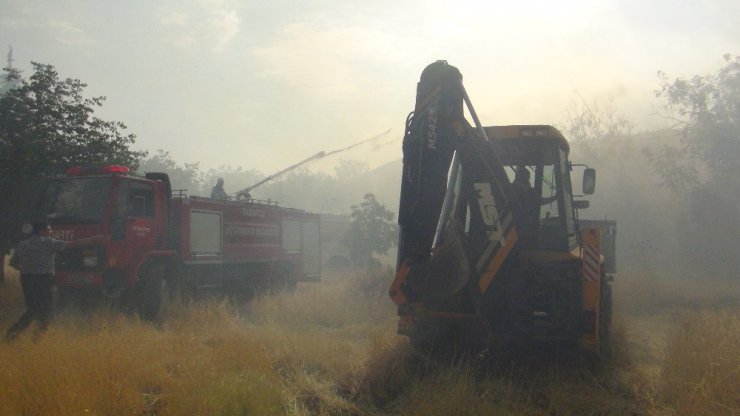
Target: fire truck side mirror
[[589, 181], [581, 204]]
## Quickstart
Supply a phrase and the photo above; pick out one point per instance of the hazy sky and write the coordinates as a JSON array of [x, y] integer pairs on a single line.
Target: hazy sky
[[262, 84]]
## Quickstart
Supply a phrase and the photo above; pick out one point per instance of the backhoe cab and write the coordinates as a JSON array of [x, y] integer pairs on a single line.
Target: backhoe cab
[[535, 159]]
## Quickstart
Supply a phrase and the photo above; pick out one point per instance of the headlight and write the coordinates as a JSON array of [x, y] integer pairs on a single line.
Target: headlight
[[90, 261]]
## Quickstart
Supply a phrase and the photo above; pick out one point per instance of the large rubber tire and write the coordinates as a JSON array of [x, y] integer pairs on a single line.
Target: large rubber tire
[[605, 318], [338, 263], [2, 268], [150, 290], [179, 284], [434, 338], [283, 282], [65, 298]]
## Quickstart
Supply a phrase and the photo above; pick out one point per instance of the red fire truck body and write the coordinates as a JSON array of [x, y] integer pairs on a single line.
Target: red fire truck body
[[157, 238]]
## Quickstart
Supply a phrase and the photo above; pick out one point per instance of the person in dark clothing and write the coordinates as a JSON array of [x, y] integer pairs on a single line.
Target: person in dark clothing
[[527, 195], [524, 191], [217, 192], [35, 258]]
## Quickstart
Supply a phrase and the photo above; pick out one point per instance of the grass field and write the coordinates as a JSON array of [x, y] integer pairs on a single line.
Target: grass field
[[331, 349]]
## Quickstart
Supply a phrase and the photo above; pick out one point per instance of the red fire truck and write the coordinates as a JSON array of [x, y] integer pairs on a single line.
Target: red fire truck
[[160, 239]]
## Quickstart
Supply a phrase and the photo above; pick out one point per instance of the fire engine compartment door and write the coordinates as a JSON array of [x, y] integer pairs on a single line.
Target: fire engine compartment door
[[303, 237], [206, 238], [292, 236], [311, 241]]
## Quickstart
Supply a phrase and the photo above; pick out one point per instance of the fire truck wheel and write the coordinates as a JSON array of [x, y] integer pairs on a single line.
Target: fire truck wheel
[[65, 297], [178, 284], [283, 282], [150, 290], [338, 263]]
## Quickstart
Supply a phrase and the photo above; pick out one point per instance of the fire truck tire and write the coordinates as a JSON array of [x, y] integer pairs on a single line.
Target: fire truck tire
[[605, 318], [338, 263], [65, 297], [178, 283], [150, 290], [283, 282]]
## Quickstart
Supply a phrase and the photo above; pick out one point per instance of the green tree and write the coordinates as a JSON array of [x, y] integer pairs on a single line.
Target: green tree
[[372, 231], [703, 168], [47, 125], [707, 108], [587, 124]]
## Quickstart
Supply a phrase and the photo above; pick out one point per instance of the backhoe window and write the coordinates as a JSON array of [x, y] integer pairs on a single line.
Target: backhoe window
[[537, 190], [569, 212], [549, 200], [75, 201], [536, 171], [550, 233]]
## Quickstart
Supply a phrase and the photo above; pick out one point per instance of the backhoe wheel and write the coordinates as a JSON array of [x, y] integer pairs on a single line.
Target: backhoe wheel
[[150, 290], [605, 318], [433, 338]]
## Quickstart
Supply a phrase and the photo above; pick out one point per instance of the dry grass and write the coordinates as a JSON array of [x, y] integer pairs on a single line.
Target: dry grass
[[110, 365], [331, 349], [701, 371], [685, 339], [278, 355], [639, 292]]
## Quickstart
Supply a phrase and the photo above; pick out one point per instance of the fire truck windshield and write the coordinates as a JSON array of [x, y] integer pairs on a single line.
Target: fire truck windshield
[[75, 200]]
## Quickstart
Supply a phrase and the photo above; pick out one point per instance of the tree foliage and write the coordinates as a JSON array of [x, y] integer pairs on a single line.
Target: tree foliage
[[708, 110], [185, 177], [704, 167], [47, 125], [372, 231], [587, 124]]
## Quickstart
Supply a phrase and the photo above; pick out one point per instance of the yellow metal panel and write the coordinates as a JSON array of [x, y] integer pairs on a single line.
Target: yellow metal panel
[[516, 132], [591, 282], [498, 260]]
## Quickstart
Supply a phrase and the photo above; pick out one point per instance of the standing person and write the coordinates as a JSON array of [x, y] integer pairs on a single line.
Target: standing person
[[218, 190], [35, 258]]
